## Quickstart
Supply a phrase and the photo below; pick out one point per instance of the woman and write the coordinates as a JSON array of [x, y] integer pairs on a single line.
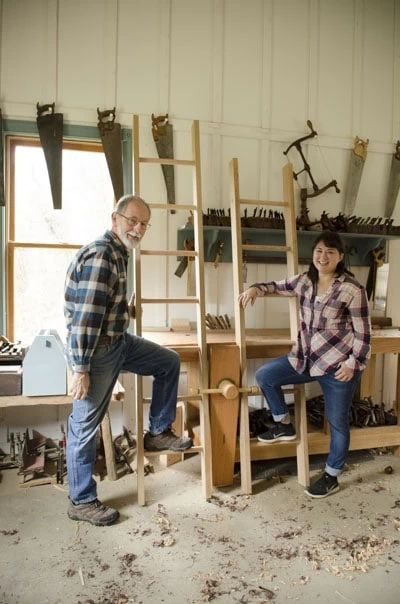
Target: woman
[[332, 348]]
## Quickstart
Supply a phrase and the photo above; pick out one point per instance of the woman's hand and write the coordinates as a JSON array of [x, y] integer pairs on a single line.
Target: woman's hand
[[344, 373], [249, 295], [132, 307]]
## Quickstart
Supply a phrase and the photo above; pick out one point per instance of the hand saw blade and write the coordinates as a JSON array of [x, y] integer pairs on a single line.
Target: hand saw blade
[[50, 127]]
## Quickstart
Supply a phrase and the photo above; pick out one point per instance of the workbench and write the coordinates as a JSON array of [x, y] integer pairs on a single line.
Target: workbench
[[223, 357]]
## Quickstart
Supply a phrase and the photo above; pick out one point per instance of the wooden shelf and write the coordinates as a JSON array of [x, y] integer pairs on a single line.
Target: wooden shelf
[[359, 244], [318, 442]]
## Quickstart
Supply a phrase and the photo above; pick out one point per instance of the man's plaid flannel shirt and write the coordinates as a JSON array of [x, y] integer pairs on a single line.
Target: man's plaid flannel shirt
[[95, 297]]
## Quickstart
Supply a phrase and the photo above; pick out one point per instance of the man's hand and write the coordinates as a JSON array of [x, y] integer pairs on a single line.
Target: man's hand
[[249, 295], [344, 373], [80, 386]]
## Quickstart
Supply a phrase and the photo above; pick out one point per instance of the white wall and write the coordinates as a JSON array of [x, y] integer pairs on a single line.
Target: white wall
[[252, 72]]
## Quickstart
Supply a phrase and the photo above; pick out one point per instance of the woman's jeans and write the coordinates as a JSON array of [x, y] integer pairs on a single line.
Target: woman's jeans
[[129, 353], [338, 397]]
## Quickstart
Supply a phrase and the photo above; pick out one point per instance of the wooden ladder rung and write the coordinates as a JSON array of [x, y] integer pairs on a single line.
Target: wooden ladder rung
[[280, 443], [181, 397], [187, 300], [195, 449], [277, 296], [278, 341], [169, 253], [266, 248], [167, 161], [263, 202], [291, 390], [172, 206]]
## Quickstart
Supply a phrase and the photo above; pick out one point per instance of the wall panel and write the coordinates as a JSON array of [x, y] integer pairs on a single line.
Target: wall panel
[[87, 54], [242, 79], [28, 70], [335, 68], [143, 56], [290, 65], [191, 59], [377, 70]]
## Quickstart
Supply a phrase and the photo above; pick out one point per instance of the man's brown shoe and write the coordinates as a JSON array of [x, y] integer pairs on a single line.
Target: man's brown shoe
[[94, 512], [167, 440]]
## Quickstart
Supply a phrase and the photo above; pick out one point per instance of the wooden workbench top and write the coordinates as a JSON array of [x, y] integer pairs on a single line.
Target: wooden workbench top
[[51, 399], [260, 342]]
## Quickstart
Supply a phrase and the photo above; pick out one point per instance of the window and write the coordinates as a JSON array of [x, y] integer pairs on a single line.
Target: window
[[42, 241]]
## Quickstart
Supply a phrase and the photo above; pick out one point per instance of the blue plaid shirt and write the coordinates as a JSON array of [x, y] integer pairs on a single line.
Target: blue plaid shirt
[[95, 297]]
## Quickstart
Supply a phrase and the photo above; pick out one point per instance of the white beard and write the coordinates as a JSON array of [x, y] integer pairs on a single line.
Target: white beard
[[130, 239]]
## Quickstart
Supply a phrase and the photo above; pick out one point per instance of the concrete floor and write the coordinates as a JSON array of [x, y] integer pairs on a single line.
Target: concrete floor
[[277, 545]]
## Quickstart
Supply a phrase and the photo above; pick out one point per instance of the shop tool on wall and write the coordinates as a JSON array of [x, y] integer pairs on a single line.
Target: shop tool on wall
[[357, 161], [2, 197], [50, 127], [394, 182], [304, 193], [164, 140], [110, 134]]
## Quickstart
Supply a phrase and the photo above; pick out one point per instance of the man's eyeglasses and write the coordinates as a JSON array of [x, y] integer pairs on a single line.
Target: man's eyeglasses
[[134, 221]]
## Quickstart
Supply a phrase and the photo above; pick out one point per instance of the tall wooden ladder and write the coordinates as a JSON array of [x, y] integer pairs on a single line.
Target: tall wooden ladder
[[290, 248], [197, 255]]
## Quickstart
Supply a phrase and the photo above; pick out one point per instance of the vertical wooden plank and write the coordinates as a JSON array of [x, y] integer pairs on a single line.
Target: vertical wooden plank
[[292, 256], [137, 281], [139, 439], [164, 28], [192, 407], [303, 473], [135, 155], [313, 59], [396, 73], [368, 378], [397, 406], [10, 230], [206, 457], [178, 428], [240, 331], [396, 450], [224, 413], [108, 447]]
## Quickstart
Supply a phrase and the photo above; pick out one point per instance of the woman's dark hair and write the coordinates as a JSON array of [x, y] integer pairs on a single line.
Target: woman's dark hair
[[330, 239]]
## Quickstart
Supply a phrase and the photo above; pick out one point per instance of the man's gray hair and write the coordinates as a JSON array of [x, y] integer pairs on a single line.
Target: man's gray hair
[[127, 199]]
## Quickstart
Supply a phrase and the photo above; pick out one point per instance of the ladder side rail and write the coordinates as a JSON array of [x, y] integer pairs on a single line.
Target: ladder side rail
[[135, 155], [292, 256], [137, 284], [302, 456], [204, 407], [240, 329]]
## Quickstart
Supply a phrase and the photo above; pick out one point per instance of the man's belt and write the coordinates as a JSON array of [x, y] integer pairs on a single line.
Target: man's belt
[[109, 340]]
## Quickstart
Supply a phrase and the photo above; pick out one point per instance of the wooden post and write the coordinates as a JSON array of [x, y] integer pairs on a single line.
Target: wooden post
[[108, 447], [224, 413]]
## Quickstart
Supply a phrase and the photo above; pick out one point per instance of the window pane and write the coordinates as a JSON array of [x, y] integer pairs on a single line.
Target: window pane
[[39, 291], [87, 197]]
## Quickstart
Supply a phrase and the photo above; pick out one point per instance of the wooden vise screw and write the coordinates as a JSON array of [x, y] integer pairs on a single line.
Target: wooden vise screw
[[229, 390]]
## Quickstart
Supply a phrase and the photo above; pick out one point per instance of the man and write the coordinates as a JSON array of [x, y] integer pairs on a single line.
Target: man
[[99, 347]]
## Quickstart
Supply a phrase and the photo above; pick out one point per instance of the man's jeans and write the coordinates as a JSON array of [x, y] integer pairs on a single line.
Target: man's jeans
[[338, 397], [129, 353]]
